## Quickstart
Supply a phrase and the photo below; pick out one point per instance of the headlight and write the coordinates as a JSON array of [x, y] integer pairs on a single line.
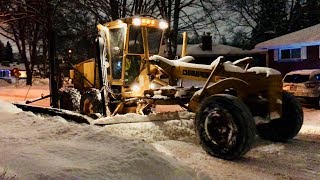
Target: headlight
[[136, 21], [163, 25], [135, 88], [152, 86]]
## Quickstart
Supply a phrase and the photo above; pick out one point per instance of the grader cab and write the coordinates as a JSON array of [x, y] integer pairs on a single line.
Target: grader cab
[[235, 102]]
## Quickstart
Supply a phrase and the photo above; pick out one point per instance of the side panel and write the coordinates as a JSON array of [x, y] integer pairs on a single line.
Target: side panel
[[192, 73], [241, 87], [88, 71]]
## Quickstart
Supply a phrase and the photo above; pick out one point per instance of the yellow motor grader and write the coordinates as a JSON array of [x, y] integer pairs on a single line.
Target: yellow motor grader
[[235, 102]]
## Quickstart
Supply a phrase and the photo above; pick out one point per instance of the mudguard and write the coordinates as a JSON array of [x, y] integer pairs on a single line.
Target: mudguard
[[241, 88]]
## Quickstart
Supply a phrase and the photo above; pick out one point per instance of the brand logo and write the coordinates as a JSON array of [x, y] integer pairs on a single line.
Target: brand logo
[[196, 73]]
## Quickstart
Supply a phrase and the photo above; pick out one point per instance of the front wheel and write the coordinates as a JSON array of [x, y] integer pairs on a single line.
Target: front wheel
[[90, 102], [69, 99], [225, 126], [286, 127]]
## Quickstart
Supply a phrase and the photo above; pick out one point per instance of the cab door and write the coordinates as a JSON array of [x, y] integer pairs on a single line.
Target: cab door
[[116, 37]]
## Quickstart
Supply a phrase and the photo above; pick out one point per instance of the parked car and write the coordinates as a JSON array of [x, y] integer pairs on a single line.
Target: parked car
[[304, 84]]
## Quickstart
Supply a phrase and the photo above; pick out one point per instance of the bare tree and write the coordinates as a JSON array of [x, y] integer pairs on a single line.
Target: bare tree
[[17, 25], [264, 19]]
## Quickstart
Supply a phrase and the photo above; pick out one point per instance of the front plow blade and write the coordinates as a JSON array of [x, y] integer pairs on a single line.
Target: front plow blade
[[68, 115]]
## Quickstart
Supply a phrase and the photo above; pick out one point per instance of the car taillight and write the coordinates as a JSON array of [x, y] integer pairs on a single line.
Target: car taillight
[[311, 84]]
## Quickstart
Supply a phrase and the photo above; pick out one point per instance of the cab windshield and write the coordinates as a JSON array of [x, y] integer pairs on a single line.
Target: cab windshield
[[154, 40], [136, 42]]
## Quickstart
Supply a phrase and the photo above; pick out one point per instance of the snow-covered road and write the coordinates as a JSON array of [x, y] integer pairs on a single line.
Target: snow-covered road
[[35, 147]]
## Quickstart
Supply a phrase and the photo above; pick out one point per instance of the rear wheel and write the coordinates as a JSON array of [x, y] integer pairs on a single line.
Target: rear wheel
[[91, 103], [69, 99], [225, 126], [286, 127]]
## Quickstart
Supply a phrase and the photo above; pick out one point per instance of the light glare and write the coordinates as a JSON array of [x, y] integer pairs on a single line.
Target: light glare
[[152, 86], [135, 88], [136, 21], [163, 25]]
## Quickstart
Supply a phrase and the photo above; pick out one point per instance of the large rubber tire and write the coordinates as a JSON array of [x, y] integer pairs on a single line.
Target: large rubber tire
[[286, 127], [69, 99], [225, 127], [90, 102]]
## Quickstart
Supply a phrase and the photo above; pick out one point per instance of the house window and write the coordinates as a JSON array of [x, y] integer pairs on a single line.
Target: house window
[[290, 54]]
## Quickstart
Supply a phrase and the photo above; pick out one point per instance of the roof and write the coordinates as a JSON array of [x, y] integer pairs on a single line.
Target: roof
[[304, 37], [217, 49], [305, 71]]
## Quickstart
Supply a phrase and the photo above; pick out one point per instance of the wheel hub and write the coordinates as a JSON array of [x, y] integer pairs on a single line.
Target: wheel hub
[[220, 127]]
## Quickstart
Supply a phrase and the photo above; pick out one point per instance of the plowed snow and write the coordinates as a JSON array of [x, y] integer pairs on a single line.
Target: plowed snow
[[34, 147]]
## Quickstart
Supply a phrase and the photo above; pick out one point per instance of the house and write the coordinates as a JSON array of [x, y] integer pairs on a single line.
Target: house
[[294, 51], [229, 52], [6, 69], [206, 52]]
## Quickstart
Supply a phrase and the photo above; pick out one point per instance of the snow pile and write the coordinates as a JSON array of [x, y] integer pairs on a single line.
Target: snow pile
[[156, 131], [267, 71], [172, 62], [243, 60], [8, 108], [159, 127], [184, 62], [34, 147], [230, 67]]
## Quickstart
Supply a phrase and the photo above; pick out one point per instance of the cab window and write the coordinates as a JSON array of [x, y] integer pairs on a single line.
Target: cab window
[[154, 38], [135, 40], [116, 47]]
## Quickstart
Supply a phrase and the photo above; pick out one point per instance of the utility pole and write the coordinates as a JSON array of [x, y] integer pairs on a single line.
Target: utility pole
[[53, 65]]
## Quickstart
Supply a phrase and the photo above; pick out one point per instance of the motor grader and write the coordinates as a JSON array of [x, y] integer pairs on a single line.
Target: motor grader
[[235, 103]]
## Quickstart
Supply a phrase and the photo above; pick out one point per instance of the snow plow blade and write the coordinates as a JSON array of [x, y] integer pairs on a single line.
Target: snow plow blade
[[68, 115]]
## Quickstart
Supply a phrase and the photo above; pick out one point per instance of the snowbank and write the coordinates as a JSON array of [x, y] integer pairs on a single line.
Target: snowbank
[[163, 126], [8, 108], [36, 147]]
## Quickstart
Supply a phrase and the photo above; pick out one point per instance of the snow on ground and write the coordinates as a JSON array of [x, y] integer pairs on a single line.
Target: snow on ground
[[4, 83], [163, 126], [20, 92], [311, 121], [34, 147]]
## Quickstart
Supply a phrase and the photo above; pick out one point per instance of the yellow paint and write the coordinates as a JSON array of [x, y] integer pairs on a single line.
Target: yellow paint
[[184, 44]]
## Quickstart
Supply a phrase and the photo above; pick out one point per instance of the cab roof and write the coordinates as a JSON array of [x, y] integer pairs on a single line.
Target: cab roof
[[145, 21]]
